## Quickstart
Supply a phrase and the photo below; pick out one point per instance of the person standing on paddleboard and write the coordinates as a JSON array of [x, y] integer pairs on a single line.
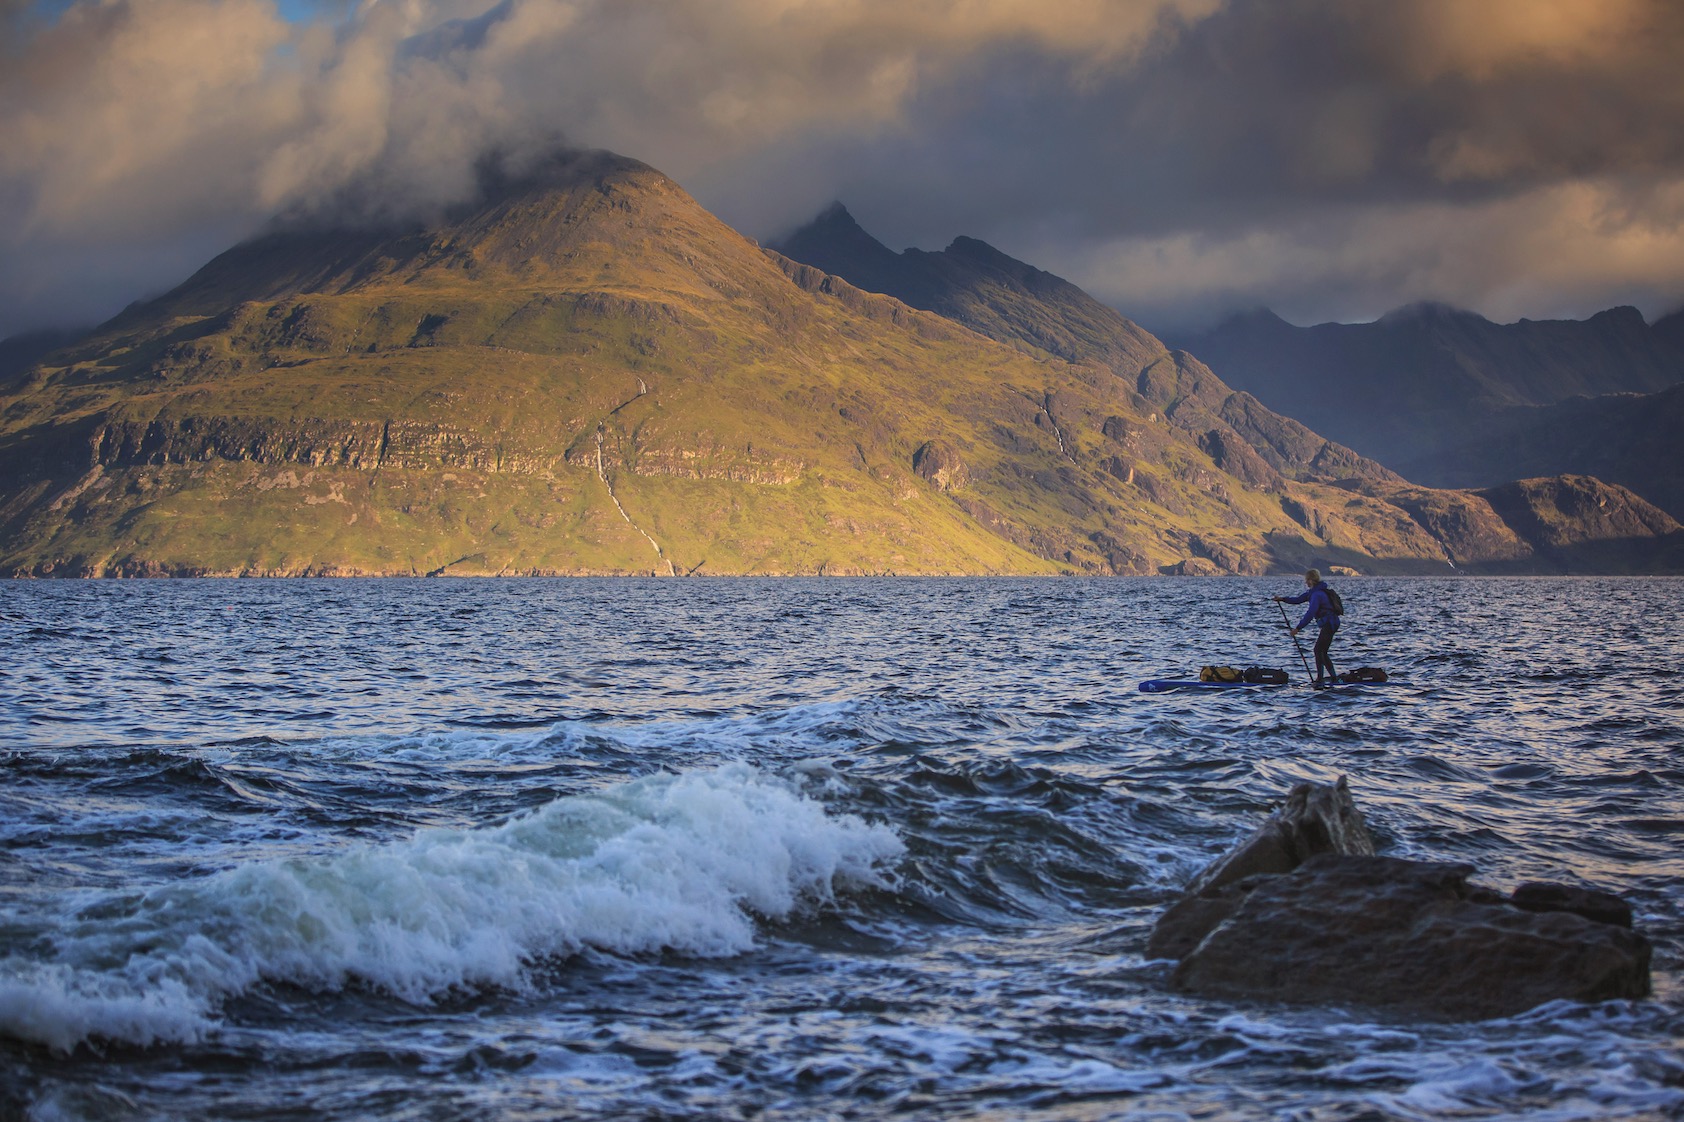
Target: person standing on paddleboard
[[1320, 609]]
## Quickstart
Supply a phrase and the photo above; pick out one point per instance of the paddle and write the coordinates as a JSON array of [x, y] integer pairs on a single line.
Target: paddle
[[1288, 621]]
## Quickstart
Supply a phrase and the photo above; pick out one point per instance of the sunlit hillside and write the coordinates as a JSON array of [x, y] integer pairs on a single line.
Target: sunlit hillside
[[589, 373]]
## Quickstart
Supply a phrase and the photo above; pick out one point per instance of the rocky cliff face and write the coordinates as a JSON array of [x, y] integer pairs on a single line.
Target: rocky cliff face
[[586, 372]]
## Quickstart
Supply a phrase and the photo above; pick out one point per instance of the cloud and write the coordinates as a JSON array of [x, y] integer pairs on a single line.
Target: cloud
[[1343, 157], [1558, 251], [152, 129], [1294, 151]]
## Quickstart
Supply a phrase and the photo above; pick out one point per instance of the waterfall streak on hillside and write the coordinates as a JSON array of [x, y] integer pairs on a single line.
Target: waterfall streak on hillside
[[602, 474], [1058, 433]]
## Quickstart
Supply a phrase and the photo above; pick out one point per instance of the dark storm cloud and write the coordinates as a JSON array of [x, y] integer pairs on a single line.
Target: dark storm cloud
[[135, 128], [1332, 159], [1175, 156]]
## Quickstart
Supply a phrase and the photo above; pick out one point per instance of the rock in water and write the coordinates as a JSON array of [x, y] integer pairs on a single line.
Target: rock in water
[[1603, 907], [1304, 911], [1412, 936], [1316, 818]]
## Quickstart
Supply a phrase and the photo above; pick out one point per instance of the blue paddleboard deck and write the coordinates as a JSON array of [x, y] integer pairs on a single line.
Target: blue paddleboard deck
[[1169, 685], [1165, 685]]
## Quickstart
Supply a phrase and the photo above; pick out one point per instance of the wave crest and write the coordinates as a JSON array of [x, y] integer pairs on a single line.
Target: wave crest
[[680, 863]]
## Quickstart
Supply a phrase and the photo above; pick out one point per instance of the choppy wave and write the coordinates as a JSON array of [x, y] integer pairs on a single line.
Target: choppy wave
[[765, 850], [682, 863]]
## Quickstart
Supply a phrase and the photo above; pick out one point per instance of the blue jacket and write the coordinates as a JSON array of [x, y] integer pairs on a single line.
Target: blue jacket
[[1320, 609]]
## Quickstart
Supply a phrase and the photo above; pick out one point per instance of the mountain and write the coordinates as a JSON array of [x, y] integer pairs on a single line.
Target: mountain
[[975, 284], [1450, 399], [1629, 439], [1015, 303], [19, 352], [1011, 302], [1669, 329], [585, 372]]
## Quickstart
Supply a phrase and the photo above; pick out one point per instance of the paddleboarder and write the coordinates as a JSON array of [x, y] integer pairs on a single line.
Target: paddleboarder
[[1319, 608]]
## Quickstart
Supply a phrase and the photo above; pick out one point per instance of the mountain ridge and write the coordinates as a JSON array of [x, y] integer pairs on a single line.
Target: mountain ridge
[[586, 372], [1450, 399], [1628, 439], [1017, 304], [1193, 395]]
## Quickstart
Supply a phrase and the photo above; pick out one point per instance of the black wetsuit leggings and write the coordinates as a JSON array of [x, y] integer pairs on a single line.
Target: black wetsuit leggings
[[1324, 642]]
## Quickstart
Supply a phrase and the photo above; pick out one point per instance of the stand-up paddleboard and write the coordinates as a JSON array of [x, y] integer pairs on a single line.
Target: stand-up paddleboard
[[1165, 685], [1169, 685]]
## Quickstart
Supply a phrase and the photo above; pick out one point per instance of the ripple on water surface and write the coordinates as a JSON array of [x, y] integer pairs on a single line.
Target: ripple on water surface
[[732, 849]]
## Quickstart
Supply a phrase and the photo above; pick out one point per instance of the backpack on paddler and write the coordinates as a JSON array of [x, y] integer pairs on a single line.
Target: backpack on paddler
[[1333, 601]]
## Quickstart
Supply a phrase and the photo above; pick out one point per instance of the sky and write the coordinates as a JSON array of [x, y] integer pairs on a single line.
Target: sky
[[1179, 159]]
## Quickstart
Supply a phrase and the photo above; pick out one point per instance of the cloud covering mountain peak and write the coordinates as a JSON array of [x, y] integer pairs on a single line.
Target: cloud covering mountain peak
[[1176, 157]]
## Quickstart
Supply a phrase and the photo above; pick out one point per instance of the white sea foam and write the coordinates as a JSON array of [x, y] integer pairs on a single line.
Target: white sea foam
[[680, 863]]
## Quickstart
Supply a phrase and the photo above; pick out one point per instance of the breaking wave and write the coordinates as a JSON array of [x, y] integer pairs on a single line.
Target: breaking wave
[[683, 863]]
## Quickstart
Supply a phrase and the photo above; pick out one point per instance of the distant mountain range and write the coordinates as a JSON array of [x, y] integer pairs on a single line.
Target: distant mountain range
[[586, 372], [1013, 302], [1450, 399]]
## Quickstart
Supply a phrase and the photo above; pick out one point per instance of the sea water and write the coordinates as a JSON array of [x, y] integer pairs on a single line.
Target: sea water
[[786, 849]]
